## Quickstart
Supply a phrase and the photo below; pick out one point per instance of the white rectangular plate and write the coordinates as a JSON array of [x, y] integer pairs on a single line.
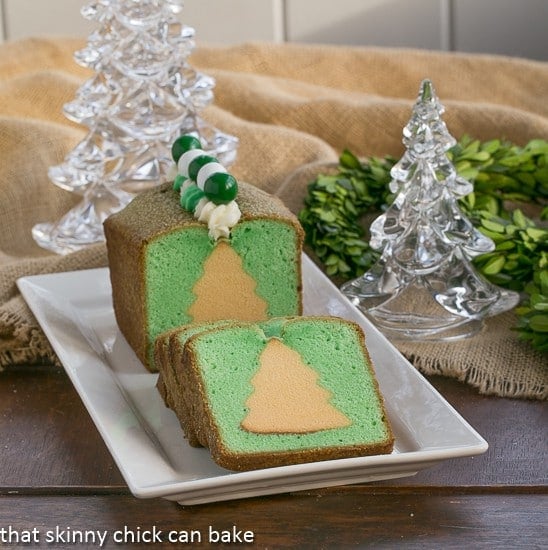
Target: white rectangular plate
[[146, 441]]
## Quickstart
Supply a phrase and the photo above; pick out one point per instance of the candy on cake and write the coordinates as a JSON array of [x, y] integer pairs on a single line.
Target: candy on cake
[[284, 391], [202, 248]]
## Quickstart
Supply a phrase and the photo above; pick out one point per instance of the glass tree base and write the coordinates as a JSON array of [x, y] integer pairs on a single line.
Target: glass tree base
[[419, 312], [83, 225]]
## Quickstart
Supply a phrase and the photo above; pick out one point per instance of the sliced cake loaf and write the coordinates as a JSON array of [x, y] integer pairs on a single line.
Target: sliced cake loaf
[[284, 391], [178, 257], [167, 347]]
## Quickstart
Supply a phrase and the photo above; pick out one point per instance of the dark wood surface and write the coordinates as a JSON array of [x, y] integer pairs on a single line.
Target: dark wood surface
[[57, 476]]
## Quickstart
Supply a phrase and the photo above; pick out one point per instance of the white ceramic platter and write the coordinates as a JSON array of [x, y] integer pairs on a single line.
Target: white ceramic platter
[[146, 441]]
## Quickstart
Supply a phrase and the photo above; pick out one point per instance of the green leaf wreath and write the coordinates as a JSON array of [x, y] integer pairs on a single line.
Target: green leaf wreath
[[508, 181]]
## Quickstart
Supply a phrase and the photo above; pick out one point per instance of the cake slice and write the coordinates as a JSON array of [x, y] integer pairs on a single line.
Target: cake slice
[[167, 346], [284, 391]]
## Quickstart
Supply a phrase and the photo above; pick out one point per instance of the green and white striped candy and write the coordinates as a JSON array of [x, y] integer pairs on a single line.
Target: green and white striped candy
[[206, 171], [190, 197], [185, 160], [220, 187], [183, 144]]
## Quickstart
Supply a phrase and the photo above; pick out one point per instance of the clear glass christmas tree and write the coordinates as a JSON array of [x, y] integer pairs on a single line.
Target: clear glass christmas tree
[[144, 94], [424, 285]]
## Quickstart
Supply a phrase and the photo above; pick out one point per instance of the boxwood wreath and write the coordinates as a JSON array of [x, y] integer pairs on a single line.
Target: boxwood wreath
[[508, 180]]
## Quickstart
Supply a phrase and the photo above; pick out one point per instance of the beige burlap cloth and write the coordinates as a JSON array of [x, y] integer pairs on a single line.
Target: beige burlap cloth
[[289, 105]]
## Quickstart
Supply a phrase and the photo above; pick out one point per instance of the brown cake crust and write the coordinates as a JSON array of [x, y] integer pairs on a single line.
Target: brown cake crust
[[149, 216], [168, 384], [168, 350]]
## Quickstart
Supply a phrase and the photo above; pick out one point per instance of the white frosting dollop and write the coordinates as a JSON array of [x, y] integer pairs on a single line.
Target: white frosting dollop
[[220, 218]]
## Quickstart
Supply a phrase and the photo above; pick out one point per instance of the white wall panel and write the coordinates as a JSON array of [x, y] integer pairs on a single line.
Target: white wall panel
[[220, 21], [232, 21], [44, 17], [508, 27], [400, 23], [2, 37]]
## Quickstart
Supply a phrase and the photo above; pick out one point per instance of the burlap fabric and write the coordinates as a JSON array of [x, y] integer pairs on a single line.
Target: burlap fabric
[[290, 105]]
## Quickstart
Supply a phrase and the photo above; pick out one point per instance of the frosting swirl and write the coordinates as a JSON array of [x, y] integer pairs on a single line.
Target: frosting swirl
[[220, 218]]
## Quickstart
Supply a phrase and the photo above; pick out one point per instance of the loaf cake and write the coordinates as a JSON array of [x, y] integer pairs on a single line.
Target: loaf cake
[[283, 391], [202, 248]]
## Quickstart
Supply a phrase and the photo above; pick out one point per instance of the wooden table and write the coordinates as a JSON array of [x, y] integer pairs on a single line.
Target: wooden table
[[58, 482]]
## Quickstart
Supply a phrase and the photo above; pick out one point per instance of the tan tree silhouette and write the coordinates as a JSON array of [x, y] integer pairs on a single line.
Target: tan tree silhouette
[[225, 290], [287, 396]]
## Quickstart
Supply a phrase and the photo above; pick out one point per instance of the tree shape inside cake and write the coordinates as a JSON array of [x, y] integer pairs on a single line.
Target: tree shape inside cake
[[424, 285], [287, 397], [225, 290]]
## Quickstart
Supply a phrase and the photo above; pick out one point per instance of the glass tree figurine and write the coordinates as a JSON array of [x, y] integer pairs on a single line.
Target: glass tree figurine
[[143, 95], [424, 286]]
